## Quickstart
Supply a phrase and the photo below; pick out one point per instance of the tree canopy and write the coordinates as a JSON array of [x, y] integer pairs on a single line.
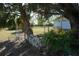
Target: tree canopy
[[9, 12]]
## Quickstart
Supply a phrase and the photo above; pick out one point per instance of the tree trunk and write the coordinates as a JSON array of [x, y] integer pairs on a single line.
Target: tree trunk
[[34, 40], [27, 28]]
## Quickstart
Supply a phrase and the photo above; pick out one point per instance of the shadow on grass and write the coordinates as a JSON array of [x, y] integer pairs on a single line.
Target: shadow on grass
[[8, 48], [17, 32], [11, 48], [5, 46]]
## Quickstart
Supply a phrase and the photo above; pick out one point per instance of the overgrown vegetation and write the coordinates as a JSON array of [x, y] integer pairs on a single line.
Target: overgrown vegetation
[[61, 43]]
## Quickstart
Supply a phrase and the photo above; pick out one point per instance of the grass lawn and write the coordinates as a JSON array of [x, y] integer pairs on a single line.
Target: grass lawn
[[40, 30], [6, 34]]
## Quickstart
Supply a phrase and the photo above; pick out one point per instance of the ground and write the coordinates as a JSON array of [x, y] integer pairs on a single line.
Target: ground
[[40, 30], [5, 34], [9, 46], [8, 34], [19, 47]]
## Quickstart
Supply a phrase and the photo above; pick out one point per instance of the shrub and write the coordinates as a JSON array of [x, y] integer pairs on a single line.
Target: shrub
[[59, 41]]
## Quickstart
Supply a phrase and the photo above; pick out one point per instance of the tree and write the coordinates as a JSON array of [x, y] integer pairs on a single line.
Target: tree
[[45, 10], [25, 18], [71, 11], [13, 10]]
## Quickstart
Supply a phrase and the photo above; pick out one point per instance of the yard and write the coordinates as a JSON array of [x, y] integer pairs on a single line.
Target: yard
[[8, 34], [5, 35], [41, 29]]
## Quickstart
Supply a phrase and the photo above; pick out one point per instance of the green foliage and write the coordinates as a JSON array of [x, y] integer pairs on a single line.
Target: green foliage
[[59, 41], [40, 21]]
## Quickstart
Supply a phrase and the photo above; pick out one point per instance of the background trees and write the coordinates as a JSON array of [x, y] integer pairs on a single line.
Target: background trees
[[12, 15], [71, 11], [10, 11]]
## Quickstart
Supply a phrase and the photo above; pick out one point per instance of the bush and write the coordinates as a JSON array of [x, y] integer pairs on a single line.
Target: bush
[[60, 41]]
